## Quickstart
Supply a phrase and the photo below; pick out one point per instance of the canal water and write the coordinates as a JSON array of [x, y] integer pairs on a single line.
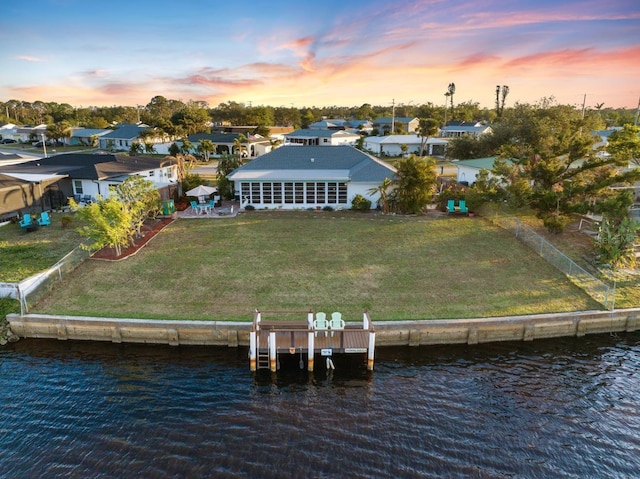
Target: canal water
[[554, 408]]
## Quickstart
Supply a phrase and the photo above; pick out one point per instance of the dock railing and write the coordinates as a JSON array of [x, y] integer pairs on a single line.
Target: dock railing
[[269, 337]]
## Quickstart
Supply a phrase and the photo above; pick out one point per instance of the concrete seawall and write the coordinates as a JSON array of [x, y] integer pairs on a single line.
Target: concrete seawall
[[388, 333]]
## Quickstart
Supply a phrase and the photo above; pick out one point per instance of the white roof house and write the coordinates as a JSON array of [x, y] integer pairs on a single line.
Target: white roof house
[[320, 137], [468, 170], [391, 145], [292, 177]]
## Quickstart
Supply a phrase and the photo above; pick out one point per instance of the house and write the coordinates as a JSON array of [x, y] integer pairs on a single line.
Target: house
[[293, 177], [391, 145], [328, 125], [320, 137], [26, 134], [122, 137], [468, 170], [389, 125], [255, 145], [54, 179], [457, 129], [86, 136]]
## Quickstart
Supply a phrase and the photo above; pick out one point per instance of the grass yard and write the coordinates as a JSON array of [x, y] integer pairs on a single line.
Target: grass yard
[[24, 254], [397, 267]]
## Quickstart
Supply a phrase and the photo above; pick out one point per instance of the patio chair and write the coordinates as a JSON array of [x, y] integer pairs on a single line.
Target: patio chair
[[321, 323], [26, 221], [195, 207], [211, 207], [44, 219], [336, 323], [451, 206], [462, 206]]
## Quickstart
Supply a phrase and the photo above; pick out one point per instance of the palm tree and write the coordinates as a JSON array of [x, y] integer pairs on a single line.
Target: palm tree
[[383, 191], [428, 128], [450, 91], [206, 147]]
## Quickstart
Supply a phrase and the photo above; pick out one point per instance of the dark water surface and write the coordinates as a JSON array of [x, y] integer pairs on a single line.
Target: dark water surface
[[557, 408]]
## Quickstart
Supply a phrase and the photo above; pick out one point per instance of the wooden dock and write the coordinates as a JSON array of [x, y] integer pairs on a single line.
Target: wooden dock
[[312, 336]]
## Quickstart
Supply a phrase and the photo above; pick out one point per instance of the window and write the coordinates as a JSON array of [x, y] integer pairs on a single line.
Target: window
[[299, 192], [320, 193], [152, 173], [342, 193], [77, 185], [267, 193], [277, 193], [311, 193], [244, 190], [288, 192], [332, 192], [255, 193]]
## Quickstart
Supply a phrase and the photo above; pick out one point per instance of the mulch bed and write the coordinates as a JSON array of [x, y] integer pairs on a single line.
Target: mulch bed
[[149, 230]]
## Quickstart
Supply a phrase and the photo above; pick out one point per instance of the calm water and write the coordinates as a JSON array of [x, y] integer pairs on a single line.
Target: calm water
[[561, 408]]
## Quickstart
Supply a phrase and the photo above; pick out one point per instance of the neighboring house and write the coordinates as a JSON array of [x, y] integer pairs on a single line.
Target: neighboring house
[[26, 134], [458, 129], [255, 145], [292, 177], [319, 137], [391, 145], [54, 179], [328, 125], [122, 137], [9, 131], [86, 136], [389, 125], [468, 170]]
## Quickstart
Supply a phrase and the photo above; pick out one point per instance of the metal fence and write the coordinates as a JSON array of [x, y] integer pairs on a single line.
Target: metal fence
[[30, 290], [594, 287]]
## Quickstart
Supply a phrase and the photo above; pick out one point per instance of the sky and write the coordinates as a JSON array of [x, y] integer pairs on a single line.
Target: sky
[[320, 53]]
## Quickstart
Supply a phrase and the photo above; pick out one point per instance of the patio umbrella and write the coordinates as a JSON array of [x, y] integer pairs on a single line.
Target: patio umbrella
[[201, 191]]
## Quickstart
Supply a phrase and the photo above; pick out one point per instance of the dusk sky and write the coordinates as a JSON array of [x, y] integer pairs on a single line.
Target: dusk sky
[[303, 53]]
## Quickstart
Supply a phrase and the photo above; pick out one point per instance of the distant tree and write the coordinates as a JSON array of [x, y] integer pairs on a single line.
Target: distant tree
[[149, 148], [205, 148], [451, 90], [428, 128], [174, 150], [227, 164], [624, 145], [186, 147], [136, 148], [60, 130]]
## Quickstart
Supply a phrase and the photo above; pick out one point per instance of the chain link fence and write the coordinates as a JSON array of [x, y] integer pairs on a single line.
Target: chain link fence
[[594, 287], [30, 290]]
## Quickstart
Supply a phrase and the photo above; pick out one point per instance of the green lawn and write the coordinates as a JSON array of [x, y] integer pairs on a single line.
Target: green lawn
[[397, 267], [24, 254]]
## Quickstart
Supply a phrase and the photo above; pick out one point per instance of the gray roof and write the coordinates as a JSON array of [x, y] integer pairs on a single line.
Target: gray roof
[[126, 132], [87, 132], [87, 166], [388, 120], [317, 162]]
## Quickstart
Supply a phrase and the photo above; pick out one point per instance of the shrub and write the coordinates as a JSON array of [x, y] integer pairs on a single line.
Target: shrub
[[360, 203], [555, 223], [249, 208], [327, 208]]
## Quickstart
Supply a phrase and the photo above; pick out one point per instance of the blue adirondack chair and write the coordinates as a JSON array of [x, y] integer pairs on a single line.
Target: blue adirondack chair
[[462, 206], [44, 219], [26, 221], [451, 206]]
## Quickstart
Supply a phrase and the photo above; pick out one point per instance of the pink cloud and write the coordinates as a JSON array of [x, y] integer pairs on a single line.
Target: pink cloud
[[28, 58]]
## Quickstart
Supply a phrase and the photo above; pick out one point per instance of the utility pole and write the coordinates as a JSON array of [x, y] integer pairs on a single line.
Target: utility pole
[[393, 115]]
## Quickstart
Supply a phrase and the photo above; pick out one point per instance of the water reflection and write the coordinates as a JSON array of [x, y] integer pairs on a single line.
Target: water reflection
[[557, 408]]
